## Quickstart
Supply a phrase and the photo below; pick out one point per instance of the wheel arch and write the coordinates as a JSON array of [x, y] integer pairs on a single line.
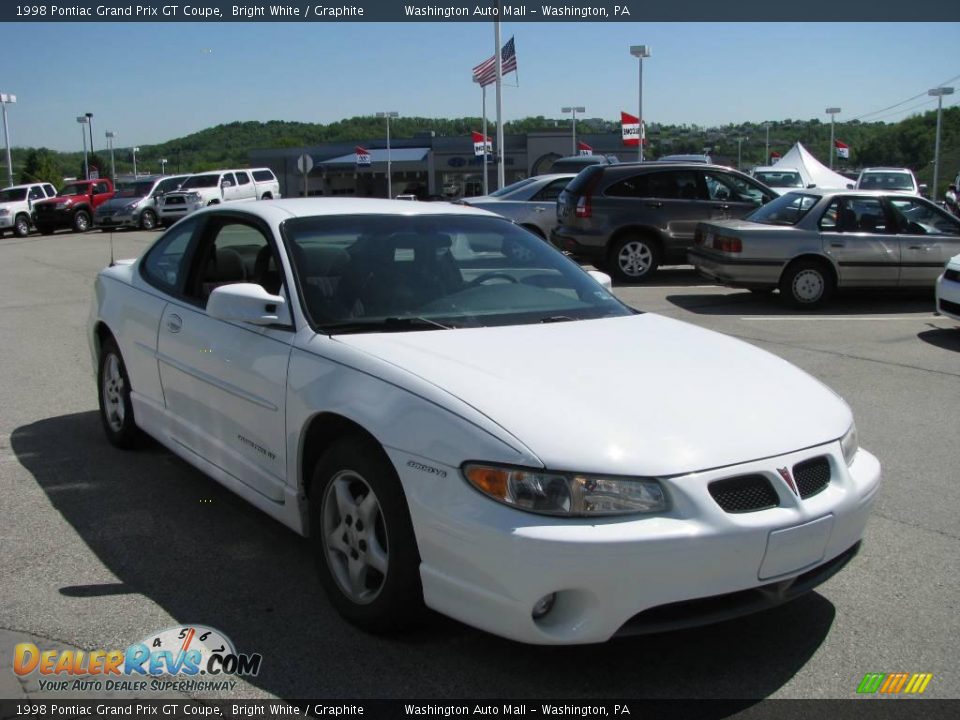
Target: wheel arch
[[101, 333], [827, 262], [644, 230]]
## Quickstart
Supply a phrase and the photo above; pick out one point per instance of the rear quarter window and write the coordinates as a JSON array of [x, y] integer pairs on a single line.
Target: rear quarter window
[[263, 176], [583, 178]]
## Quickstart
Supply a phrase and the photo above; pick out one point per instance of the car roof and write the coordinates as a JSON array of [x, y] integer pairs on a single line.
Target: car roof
[[824, 192], [280, 210], [27, 185], [887, 169], [774, 168]]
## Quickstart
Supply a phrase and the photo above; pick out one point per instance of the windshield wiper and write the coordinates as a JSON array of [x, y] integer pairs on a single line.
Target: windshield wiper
[[555, 318], [390, 324]]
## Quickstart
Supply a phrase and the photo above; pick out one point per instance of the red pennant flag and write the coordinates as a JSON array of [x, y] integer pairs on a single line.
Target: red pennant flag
[[363, 155], [584, 149], [630, 127], [481, 145]]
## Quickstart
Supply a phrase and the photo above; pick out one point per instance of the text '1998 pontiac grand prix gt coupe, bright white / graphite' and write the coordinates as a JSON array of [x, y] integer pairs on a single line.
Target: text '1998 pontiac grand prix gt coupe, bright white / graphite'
[[459, 416]]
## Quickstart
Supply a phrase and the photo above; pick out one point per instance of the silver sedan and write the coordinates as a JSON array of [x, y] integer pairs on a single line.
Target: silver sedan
[[531, 203], [810, 242]]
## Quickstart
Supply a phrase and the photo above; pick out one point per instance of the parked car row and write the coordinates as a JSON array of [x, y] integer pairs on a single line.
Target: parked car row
[[142, 202]]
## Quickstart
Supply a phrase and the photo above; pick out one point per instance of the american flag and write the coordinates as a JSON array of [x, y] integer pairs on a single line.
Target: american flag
[[486, 72]]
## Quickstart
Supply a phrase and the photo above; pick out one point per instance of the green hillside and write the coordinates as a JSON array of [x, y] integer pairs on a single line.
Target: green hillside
[[909, 143]]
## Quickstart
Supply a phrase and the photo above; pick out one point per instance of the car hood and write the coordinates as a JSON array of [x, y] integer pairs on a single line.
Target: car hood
[[117, 203], [638, 395]]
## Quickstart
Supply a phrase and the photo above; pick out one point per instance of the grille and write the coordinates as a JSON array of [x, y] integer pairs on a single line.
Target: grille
[[950, 306], [747, 493], [812, 476], [952, 275], [174, 200]]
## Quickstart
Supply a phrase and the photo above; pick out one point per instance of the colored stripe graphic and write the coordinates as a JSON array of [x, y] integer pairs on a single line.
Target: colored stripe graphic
[[894, 683]]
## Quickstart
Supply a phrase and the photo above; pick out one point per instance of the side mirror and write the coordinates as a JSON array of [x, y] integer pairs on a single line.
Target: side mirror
[[226, 184], [248, 303], [602, 278], [923, 188]]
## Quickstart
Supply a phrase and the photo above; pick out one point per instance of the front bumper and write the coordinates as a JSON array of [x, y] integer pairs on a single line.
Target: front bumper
[[948, 294], [116, 220], [487, 565], [169, 214], [735, 272], [6, 221]]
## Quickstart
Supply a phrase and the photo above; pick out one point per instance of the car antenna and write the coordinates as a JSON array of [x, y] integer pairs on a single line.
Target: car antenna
[[112, 262]]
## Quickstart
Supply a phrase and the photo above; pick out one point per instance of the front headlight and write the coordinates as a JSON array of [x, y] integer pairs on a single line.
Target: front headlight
[[570, 494], [4, 212], [194, 197], [62, 203], [849, 444]]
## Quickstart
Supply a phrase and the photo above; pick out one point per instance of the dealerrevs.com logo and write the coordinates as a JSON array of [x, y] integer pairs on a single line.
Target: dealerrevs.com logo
[[191, 658]]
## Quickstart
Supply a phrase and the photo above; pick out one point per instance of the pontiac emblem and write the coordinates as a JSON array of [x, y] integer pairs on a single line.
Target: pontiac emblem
[[788, 479]]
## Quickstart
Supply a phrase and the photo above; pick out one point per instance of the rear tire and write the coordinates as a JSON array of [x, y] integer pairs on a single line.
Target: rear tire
[[807, 284], [21, 226], [634, 258], [363, 540], [81, 221], [113, 391]]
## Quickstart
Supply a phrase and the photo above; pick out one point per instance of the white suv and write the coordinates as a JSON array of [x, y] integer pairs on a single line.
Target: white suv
[[218, 186], [16, 206], [891, 180]]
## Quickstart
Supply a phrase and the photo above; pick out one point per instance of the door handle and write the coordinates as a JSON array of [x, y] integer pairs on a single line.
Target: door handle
[[655, 204], [722, 207], [925, 248], [540, 209], [838, 244], [174, 323]]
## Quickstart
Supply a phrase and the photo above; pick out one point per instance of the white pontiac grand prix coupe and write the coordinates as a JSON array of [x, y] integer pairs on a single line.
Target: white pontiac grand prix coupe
[[457, 415]]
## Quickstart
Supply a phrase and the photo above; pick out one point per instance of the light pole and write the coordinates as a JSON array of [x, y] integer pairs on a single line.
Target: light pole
[[574, 110], [938, 93], [110, 135], [4, 99], [740, 152], [640, 52], [134, 153], [90, 123], [83, 120], [388, 114], [766, 157], [163, 166], [832, 111]]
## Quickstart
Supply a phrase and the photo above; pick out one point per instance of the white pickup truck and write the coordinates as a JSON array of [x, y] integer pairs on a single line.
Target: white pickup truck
[[16, 206], [218, 186]]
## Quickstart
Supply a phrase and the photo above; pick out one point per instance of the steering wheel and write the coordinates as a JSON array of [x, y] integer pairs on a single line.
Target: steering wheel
[[492, 275]]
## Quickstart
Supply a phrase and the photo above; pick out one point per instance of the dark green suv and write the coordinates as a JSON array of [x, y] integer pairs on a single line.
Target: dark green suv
[[631, 218]]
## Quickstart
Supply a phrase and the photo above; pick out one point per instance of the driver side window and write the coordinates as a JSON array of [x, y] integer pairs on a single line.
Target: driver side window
[[234, 252]]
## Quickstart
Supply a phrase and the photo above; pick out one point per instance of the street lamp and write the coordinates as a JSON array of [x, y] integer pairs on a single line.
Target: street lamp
[[110, 135], [938, 93], [163, 166], [766, 157], [4, 99], [134, 153], [84, 120], [574, 110], [640, 52], [388, 114], [740, 151], [90, 123], [832, 111]]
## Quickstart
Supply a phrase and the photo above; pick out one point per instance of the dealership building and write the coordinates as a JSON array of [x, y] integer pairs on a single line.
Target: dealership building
[[424, 165]]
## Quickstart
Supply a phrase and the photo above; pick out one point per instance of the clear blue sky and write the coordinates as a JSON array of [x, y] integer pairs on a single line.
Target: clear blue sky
[[150, 82]]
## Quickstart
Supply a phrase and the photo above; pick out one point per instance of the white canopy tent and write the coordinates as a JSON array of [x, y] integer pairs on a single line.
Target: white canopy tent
[[812, 170]]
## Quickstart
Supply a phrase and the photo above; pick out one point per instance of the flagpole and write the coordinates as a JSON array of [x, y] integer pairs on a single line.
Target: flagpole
[[486, 188], [499, 66]]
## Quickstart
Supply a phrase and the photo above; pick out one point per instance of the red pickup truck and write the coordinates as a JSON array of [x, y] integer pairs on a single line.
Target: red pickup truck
[[73, 206]]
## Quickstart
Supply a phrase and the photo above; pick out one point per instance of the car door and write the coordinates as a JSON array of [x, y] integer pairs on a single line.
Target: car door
[[733, 196], [858, 234], [928, 238], [36, 194], [540, 210], [224, 383], [101, 193], [228, 187], [245, 189]]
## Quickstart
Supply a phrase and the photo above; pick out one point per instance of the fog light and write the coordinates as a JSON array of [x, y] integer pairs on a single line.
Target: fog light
[[544, 605]]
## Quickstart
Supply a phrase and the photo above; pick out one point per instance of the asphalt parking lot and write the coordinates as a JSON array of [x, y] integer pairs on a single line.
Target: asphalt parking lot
[[101, 547]]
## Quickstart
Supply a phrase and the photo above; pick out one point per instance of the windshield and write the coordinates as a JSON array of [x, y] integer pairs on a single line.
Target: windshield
[[13, 194], [787, 209], [512, 187], [168, 184], [199, 181], [380, 273], [73, 190], [886, 181], [780, 179], [134, 189]]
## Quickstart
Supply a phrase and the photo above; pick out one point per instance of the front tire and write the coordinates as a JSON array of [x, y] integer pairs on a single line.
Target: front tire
[[116, 409], [81, 221], [21, 226], [363, 541], [807, 284], [148, 220], [635, 258]]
